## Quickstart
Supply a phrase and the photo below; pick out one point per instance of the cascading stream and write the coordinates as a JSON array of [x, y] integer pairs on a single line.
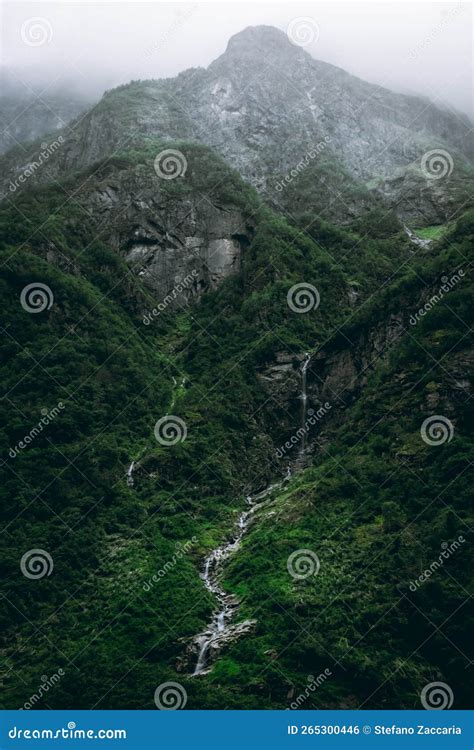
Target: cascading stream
[[414, 237], [210, 641], [220, 625]]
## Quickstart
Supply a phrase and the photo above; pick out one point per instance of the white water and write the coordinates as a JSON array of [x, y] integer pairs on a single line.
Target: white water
[[414, 238], [215, 635], [131, 468], [130, 474], [304, 402], [211, 574]]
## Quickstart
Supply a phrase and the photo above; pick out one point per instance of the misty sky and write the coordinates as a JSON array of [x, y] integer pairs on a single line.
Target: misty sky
[[420, 48]]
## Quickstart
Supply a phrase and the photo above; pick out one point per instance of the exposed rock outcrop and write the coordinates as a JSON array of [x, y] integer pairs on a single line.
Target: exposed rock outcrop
[[178, 246], [276, 114]]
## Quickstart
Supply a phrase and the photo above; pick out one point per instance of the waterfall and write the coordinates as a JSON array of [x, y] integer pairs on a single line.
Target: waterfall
[[414, 238], [130, 474], [219, 630], [131, 468], [304, 403]]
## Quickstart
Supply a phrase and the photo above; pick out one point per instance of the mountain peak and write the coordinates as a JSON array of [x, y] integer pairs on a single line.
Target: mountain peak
[[260, 40]]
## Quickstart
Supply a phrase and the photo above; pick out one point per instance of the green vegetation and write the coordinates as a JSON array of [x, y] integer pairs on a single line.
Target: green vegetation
[[431, 233], [375, 505]]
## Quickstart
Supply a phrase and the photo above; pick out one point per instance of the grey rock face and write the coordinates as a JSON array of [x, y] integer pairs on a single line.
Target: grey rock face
[[334, 376], [277, 115], [179, 248], [423, 200]]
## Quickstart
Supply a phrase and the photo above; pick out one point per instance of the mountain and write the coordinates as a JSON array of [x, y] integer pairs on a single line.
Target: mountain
[[266, 106], [236, 430], [29, 111]]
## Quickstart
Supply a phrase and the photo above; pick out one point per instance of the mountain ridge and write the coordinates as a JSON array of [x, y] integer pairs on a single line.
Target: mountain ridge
[[264, 124]]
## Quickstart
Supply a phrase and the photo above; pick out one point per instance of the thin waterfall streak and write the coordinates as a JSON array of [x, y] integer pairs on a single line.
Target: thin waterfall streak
[[304, 402]]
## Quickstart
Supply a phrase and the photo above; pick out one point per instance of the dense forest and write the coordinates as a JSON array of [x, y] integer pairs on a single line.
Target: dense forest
[[372, 500]]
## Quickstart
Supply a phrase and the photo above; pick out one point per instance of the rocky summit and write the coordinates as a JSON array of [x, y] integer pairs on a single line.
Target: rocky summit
[[237, 392], [267, 107]]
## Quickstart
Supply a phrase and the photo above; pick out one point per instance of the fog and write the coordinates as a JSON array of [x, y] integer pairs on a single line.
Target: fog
[[422, 48]]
